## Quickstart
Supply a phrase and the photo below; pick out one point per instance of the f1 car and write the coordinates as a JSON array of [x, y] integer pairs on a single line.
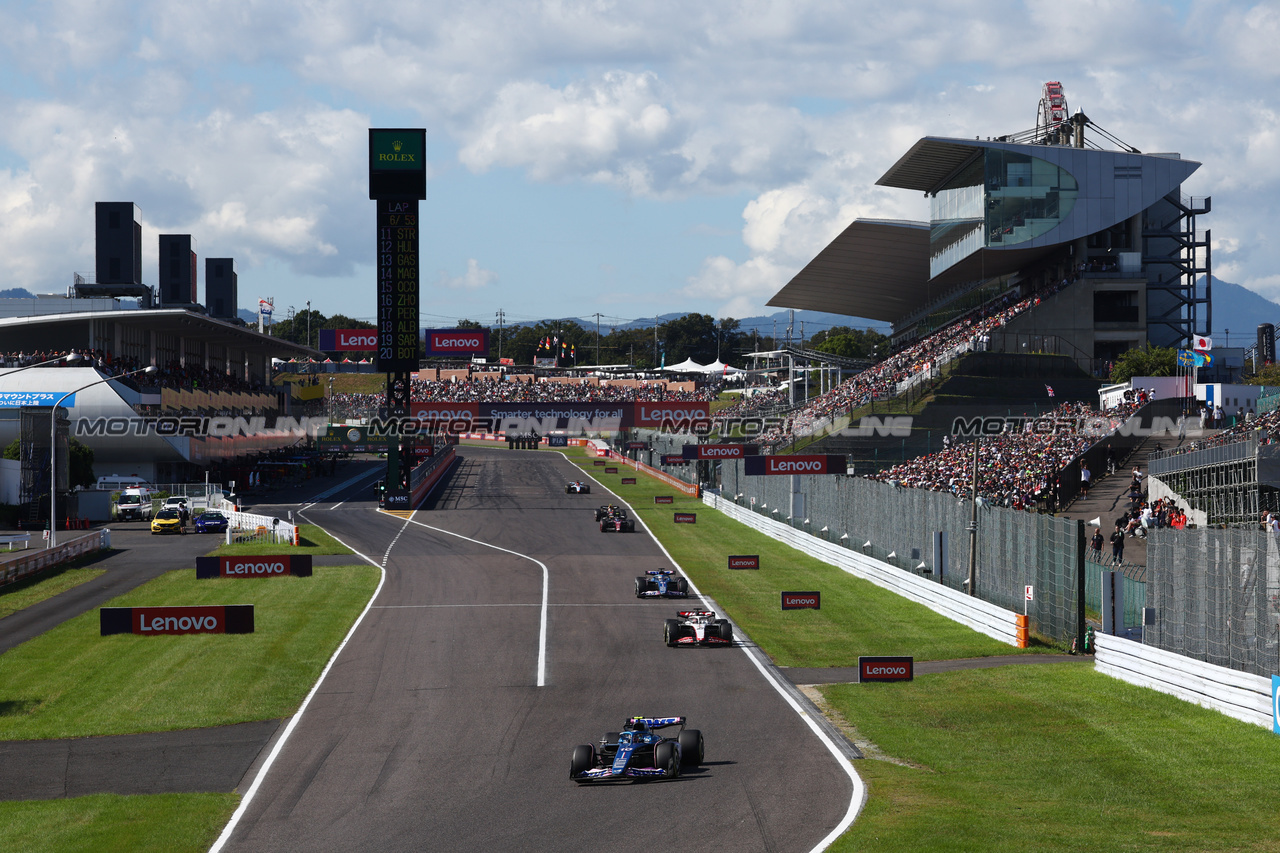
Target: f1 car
[[661, 584], [698, 628], [638, 752], [609, 509], [577, 487], [617, 523]]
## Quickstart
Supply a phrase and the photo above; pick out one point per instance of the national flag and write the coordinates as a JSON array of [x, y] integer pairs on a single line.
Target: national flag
[[1049, 390], [1202, 343]]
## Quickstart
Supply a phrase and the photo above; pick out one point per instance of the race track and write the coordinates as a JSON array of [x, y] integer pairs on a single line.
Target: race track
[[431, 731]]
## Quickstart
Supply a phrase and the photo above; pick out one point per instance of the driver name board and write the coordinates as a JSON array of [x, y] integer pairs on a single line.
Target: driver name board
[[397, 285]]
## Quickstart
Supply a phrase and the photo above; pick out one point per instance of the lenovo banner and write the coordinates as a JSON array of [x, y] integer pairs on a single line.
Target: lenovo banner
[[802, 601], [742, 561], [886, 668], [664, 499], [457, 342], [204, 619], [628, 481], [611, 470], [668, 459], [686, 518], [348, 340], [463, 413], [254, 567], [719, 451], [673, 415], [795, 464]]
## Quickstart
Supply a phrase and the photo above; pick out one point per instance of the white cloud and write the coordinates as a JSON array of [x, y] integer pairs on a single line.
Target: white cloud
[[473, 279]]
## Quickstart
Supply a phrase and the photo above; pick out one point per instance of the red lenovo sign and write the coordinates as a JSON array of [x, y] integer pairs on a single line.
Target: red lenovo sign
[[457, 342], [298, 565], [203, 619], [886, 668], [802, 601], [628, 481], [664, 499], [742, 561], [348, 340], [686, 518], [719, 451], [795, 464]]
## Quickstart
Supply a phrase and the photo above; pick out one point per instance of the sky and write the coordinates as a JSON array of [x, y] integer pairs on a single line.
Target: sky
[[584, 158]]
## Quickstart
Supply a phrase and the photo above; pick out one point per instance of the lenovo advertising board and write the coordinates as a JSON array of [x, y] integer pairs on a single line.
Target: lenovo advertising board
[[664, 499], [456, 342], [744, 561], [673, 415], [719, 451], [628, 481], [686, 518], [795, 464], [670, 459], [611, 470], [802, 601], [202, 619], [348, 340], [271, 566], [882, 668]]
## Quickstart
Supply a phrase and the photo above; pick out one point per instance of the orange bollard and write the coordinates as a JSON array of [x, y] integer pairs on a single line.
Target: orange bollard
[[1022, 631]]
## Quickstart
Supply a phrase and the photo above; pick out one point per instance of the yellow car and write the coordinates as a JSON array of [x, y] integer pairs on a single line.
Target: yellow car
[[168, 521]]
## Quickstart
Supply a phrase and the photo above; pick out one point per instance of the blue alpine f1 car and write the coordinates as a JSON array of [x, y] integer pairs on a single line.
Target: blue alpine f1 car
[[661, 584], [638, 752]]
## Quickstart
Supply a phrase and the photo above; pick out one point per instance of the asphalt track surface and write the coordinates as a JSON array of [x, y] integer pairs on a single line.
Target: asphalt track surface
[[430, 731]]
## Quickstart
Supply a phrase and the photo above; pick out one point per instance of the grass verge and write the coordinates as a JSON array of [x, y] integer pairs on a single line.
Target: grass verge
[[107, 823], [72, 682], [1055, 758], [33, 590], [857, 617], [311, 540]]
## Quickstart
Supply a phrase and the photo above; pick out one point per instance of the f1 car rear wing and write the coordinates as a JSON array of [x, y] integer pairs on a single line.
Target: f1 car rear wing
[[667, 572], [657, 722], [687, 613]]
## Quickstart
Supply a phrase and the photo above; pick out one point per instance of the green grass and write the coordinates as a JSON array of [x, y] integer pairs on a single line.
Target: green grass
[[1055, 758], [33, 590], [72, 682], [311, 540], [107, 823], [857, 617]]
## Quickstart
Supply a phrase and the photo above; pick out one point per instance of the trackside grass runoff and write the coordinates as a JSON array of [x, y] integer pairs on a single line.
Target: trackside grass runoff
[[857, 617], [106, 823], [29, 591], [311, 540], [72, 682], [1055, 758]]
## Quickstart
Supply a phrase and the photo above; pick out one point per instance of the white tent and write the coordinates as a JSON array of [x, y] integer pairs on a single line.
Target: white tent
[[719, 367], [686, 366]]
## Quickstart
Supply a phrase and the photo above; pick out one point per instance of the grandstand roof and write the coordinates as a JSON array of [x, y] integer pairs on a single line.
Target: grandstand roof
[[929, 163], [72, 331], [875, 268]]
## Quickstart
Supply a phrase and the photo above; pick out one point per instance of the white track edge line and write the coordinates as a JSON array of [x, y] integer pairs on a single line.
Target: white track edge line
[[293, 721], [859, 798]]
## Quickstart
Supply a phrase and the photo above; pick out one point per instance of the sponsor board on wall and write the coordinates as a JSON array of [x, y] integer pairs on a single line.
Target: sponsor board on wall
[[628, 481], [348, 340], [882, 668], [637, 445], [653, 415], [672, 459], [269, 566], [397, 499], [802, 600], [795, 464], [744, 561], [201, 619], [557, 441], [686, 518], [719, 451], [664, 499], [456, 342]]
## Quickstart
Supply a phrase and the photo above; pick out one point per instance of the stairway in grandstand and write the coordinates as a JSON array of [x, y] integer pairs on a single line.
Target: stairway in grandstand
[[982, 384]]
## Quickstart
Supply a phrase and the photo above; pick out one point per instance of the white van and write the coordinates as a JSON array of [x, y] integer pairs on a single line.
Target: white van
[[134, 505], [113, 482]]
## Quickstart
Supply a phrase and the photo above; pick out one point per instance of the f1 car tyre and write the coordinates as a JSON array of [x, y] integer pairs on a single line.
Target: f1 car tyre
[[691, 747], [584, 758], [671, 632], [682, 585], [725, 628], [664, 758], [642, 584]]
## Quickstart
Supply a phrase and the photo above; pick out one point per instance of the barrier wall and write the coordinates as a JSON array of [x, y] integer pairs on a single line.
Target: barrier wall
[[1237, 694], [981, 616], [675, 483], [26, 563], [236, 520], [441, 464]]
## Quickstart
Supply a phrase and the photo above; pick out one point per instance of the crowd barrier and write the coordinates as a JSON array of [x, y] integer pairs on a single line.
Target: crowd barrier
[[982, 616], [277, 528], [27, 563], [679, 485], [1237, 694]]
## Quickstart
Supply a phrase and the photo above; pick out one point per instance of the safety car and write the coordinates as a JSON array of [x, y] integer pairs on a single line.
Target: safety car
[[168, 521], [638, 752], [577, 487], [697, 628], [661, 584]]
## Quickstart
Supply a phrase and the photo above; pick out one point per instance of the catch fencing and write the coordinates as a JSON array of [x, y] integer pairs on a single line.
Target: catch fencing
[[1014, 549], [1215, 597]]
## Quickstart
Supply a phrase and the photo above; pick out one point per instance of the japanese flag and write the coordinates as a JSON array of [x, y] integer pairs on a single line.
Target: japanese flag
[[1202, 343]]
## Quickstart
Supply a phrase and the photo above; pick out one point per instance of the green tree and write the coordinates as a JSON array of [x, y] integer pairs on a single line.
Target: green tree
[[79, 464], [1145, 361], [13, 451]]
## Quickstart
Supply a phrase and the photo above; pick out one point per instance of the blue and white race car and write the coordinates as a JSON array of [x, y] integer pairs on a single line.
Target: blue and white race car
[[577, 487], [661, 584], [638, 752]]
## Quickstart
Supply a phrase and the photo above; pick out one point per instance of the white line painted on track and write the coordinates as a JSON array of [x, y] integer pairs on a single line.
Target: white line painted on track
[[428, 606], [373, 472], [859, 798], [293, 721], [546, 589]]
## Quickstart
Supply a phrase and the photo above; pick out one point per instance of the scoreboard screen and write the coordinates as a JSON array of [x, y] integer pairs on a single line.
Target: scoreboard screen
[[398, 342]]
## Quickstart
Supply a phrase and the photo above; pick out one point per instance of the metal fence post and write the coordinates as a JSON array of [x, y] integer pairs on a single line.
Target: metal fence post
[[1080, 582]]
